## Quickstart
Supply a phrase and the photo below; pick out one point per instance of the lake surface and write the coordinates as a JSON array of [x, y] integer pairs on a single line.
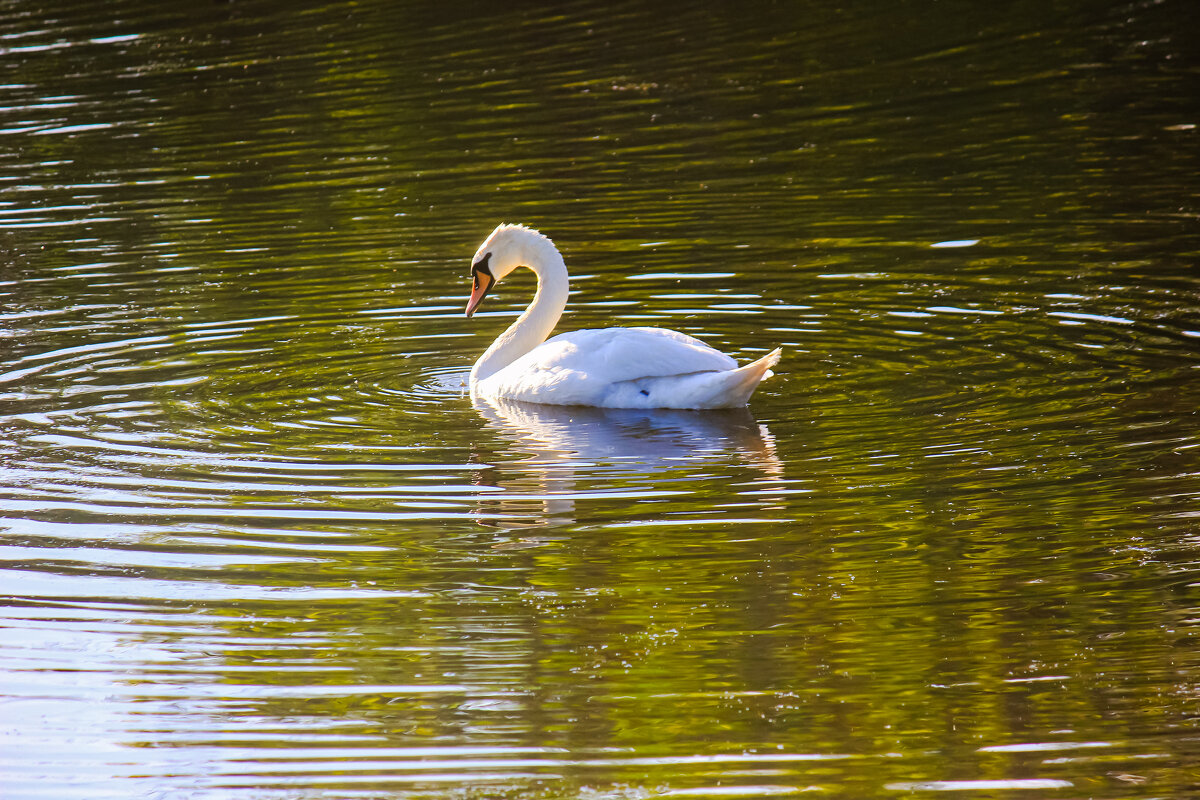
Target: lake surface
[[260, 544]]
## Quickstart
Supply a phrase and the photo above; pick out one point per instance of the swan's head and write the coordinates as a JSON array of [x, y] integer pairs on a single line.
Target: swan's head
[[508, 247]]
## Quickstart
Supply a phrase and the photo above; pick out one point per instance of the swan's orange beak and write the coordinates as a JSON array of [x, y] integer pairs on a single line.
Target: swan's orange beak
[[483, 281]]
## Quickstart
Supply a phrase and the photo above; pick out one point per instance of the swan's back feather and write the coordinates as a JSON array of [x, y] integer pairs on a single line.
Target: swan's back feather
[[626, 368], [622, 354]]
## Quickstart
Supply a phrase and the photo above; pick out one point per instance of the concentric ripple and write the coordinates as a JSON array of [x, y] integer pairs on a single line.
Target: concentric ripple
[[258, 541]]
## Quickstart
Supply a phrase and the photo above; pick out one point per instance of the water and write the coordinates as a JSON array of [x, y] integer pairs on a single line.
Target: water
[[258, 543]]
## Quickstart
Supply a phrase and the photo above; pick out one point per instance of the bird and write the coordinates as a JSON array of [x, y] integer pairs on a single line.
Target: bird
[[619, 367]]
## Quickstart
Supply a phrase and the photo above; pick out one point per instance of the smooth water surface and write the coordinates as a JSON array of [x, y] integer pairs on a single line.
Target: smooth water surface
[[259, 542]]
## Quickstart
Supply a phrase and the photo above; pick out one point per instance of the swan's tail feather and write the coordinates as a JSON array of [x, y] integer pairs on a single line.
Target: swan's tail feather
[[739, 384]]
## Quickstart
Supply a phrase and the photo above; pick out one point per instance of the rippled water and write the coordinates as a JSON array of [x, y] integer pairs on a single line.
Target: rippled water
[[259, 543]]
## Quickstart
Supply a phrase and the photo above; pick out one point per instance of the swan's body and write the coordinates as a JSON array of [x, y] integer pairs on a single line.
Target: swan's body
[[607, 367]]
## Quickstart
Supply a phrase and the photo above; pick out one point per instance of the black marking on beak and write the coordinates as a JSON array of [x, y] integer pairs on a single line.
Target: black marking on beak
[[481, 266]]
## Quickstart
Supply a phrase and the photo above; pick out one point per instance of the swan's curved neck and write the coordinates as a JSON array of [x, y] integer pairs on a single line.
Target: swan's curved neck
[[539, 319]]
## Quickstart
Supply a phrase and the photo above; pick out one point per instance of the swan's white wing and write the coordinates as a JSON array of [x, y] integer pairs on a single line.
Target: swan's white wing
[[583, 367], [624, 354]]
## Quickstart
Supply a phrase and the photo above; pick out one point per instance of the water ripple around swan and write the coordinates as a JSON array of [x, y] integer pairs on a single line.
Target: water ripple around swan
[[258, 540]]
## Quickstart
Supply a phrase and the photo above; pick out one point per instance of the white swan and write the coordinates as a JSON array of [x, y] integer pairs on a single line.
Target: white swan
[[607, 367]]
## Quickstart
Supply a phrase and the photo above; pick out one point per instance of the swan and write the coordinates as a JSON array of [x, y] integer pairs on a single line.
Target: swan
[[606, 367]]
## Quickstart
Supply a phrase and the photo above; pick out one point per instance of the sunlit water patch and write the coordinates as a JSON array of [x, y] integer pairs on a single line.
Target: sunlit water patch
[[259, 541]]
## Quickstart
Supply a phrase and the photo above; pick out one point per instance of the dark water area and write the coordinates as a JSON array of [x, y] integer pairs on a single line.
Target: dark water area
[[259, 541]]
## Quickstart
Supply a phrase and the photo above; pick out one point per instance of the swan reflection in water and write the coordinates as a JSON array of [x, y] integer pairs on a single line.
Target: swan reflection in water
[[614, 449]]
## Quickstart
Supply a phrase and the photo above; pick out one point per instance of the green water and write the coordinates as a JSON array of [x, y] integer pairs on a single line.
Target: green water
[[259, 543]]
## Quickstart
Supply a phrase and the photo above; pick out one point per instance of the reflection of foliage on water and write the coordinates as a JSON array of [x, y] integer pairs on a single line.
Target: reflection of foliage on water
[[822, 640], [958, 534]]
